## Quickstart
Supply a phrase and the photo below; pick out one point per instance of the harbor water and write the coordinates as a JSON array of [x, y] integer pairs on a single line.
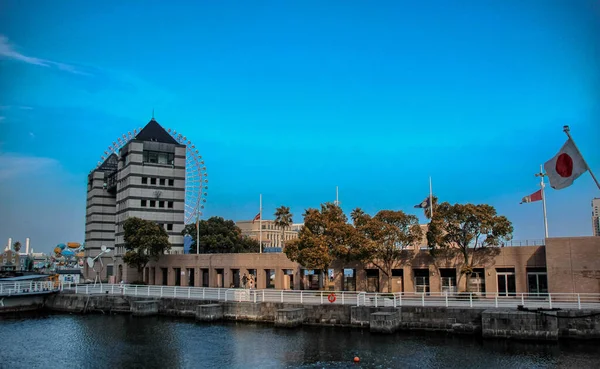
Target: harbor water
[[123, 341]]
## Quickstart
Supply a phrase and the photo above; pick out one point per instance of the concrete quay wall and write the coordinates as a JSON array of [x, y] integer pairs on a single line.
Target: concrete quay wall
[[497, 323]]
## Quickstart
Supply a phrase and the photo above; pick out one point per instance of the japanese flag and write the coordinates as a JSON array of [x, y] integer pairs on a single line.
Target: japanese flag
[[565, 167]]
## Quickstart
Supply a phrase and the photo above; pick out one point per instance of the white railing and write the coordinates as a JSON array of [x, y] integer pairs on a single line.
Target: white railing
[[24, 288], [442, 299]]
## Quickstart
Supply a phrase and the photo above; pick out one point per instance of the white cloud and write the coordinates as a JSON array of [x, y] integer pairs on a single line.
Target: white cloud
[[13, 166], [10, 52]]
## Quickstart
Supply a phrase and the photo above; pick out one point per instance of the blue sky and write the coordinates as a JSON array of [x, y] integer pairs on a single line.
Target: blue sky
[[290, 99]]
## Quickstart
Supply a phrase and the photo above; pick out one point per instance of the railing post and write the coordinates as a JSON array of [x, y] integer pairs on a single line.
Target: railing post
[[135, 291], [496, 300], [263, 295], [86, 289], [161, 291], [218, 294], [550, 300], [301, 297], [394, 299], [75, 289], [375, 299], [321, 297], [523, 299], [203, 289], [423, 299], [446, 298], [400, 299], [148, 290], [343, 302], [255, 297], [578, 302], [471, 299], [282, 296], [358, 299], [112, 289], [226, 295], [189, 292]]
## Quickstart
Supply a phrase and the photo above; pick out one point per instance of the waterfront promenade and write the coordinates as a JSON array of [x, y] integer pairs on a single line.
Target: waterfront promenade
[[313, 297]]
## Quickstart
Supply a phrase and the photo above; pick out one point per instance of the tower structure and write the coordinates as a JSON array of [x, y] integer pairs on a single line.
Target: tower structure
[[145, 178]]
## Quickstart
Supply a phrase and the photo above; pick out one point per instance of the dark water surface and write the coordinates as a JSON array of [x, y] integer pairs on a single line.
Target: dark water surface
[[123, 341]]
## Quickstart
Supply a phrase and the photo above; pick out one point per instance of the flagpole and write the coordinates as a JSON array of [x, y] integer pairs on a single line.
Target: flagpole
[[542, 175], [260, 223], [567, 131], [430, 199]]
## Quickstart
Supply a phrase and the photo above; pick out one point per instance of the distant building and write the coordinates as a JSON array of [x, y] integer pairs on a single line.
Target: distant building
[[10, 261], [596, 216], [271, 234], [146, 179], [69, 275]]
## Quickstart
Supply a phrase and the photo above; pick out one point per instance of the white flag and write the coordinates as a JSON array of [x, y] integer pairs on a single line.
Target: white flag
[[565, 167]]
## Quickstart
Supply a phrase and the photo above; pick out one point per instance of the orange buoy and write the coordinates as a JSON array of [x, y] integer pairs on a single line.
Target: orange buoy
[[356, 359]]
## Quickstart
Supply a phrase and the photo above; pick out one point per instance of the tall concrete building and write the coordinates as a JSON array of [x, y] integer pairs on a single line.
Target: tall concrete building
[[596, 216], [146, 179]]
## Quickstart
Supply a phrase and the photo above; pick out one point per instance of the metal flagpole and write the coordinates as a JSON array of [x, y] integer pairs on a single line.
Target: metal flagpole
[[337, 200], [260, 223], [197, 235], [541, 174], [430, 199], [567, 131]]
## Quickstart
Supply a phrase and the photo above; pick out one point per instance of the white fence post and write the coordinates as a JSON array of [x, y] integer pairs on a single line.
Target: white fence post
[[76, 289], [321, 297], [446, 298], [523, 299], [496, 300], [218, 294], [161, 291], [375, 299], [282, 296], [175, 291], [400, 299], [550, 300], [135, 291], [263, 295], [203, 289], [148, 290], [112, 289], [394, 299], [189, 292], [343, 302], [471, 299], [255, 297], [301, 297], [423, 299], [578, 302], [357, 299], [86, 289]]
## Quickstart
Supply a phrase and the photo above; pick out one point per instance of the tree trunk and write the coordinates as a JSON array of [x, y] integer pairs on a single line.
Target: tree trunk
[[389, 275]]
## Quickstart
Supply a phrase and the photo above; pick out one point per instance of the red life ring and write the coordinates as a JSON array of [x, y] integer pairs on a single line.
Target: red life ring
[[331, 297]]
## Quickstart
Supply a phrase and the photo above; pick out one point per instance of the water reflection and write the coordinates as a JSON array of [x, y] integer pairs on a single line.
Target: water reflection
[[122, 341]]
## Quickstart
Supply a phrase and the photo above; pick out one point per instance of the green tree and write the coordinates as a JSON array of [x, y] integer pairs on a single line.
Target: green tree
[[145, 240], [390, 234], [469, 229], [325, 237], [17, 246], [283, 219], [218, 235]]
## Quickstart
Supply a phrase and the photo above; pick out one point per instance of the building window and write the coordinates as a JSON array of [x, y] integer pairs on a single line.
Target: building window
[[162, 181], [169, 227], [171, 182], [156, 157], [143, 203], [161, 204], [152, 203], [144, 180], [170, 204], [153, 181]]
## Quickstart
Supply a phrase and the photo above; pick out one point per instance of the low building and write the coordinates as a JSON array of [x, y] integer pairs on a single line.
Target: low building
[[69, 276], [10, 262], [271, 235], [562, 265], [596, 216]]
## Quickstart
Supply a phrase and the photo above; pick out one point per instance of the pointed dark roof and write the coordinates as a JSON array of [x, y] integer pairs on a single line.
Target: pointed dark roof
[[154, 132]]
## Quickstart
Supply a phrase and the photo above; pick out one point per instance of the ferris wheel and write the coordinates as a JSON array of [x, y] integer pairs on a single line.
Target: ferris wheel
[[196, 178]]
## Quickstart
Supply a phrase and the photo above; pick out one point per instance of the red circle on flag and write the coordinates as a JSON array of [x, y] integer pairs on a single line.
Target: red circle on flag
[[564, 165]]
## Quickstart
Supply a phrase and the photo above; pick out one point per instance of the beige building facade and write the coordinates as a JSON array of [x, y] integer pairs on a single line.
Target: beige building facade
[[271, 234], [564, 265]]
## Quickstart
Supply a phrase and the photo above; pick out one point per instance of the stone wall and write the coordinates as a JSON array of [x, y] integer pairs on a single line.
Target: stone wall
[[502, 323]]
